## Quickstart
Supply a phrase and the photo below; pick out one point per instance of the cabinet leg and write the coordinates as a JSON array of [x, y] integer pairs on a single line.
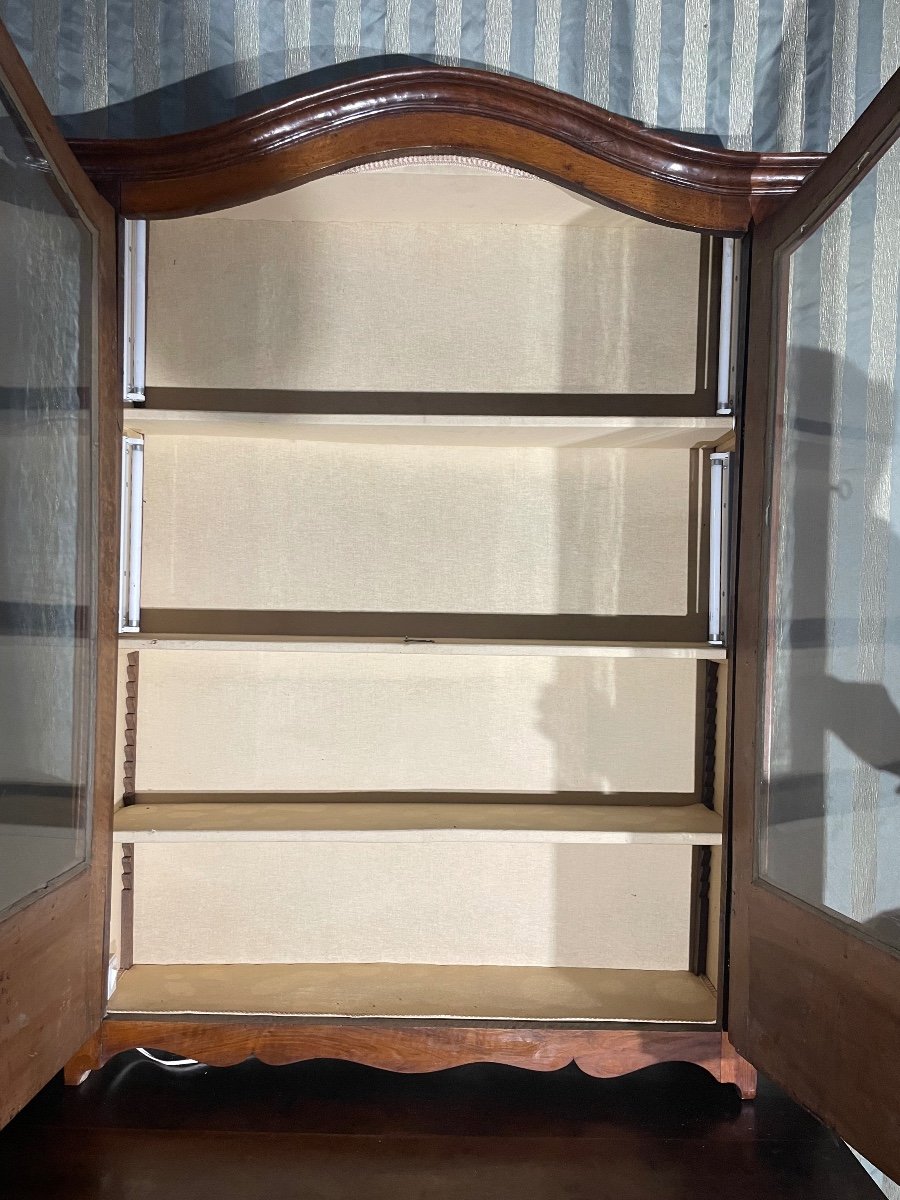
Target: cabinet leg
[[737, 1070], [87, 1059]]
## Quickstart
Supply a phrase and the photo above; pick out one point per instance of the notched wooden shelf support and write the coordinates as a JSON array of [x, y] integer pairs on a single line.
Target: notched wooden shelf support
[[131, 718]]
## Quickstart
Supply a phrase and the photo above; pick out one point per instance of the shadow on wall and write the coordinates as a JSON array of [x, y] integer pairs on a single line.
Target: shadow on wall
[[215, 96], [833, 797]]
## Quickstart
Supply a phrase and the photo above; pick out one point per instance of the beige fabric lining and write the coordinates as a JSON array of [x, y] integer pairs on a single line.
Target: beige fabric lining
[[424, 191], [115, 907], [422, 307], [378, 990], [268, 721], [242, 523], [625, 907]]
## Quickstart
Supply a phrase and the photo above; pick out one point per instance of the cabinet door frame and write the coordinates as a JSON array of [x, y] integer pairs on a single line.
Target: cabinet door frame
[[53, 943], [813, 1002]]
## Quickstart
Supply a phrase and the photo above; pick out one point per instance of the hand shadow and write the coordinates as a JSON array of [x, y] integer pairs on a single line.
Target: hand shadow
[[837, 613]]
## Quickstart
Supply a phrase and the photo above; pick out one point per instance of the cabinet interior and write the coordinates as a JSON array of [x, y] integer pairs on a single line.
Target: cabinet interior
[[422, 718], [402, 280]]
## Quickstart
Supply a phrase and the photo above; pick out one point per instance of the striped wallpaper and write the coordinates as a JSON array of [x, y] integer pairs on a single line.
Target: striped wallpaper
[[759, 74]]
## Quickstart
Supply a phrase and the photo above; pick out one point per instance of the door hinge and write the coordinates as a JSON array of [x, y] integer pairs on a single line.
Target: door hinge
[[719, 544], [131, 532], [134, 323]]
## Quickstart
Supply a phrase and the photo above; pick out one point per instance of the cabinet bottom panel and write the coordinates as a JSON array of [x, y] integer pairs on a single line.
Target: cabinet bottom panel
[[413, 1047], [417, 991]]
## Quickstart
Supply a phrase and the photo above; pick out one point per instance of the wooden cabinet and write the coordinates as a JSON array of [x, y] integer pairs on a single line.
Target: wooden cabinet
[[451, 692]]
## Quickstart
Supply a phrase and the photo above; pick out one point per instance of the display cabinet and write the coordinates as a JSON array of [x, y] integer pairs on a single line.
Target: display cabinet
[[459, 525]]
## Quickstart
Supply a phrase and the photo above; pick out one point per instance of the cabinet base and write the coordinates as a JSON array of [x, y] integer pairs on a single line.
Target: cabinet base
[[418, 1047]]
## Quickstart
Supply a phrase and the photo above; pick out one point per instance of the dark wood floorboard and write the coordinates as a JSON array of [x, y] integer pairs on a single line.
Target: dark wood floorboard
[[327, 1130]]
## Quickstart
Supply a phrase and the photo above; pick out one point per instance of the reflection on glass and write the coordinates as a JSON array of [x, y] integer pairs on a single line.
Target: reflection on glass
[[46, 520], [830, 826]]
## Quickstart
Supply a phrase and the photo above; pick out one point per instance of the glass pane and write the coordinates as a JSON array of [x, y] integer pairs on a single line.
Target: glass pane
[[831, 821], [47, 617]]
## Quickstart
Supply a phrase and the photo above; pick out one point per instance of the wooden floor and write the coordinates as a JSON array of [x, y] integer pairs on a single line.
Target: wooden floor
[[333, 1131]]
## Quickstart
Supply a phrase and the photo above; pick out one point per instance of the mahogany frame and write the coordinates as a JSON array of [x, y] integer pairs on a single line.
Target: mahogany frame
[[426, 110], [413, 1047]]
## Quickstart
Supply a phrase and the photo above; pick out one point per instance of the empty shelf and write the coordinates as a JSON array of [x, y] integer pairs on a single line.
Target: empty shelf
[[415, 821], [462, 540], [387, 645], [666, 433], [418, 991]]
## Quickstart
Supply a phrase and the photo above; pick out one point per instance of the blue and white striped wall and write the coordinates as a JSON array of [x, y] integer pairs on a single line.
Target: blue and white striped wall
[[759, 74]]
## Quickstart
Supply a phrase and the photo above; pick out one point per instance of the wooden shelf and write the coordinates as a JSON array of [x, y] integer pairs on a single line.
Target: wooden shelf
[[418, 821], [607, 432], [549, 406], [388, 645], [373, 990]]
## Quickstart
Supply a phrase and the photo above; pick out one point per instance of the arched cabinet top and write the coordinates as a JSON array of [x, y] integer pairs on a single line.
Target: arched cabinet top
[[439, 110]]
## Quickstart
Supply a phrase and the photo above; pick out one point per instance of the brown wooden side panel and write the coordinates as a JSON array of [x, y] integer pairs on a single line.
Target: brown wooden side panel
[[602, 1053]]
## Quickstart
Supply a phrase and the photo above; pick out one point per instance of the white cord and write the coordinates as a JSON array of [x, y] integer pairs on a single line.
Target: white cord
[[169, 1062]]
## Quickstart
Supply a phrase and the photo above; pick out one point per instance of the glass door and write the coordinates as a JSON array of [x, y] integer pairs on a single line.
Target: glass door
[[815, 948], [57, 471]]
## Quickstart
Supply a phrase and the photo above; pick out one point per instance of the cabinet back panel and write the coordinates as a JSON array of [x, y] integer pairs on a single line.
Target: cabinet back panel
[[297, 525], [259, 721], [402, 306], [624, 907]]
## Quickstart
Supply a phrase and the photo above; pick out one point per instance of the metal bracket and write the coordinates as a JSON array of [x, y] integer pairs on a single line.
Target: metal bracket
[[725, 384], [134, 326], [131, 521], [719, 547]]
